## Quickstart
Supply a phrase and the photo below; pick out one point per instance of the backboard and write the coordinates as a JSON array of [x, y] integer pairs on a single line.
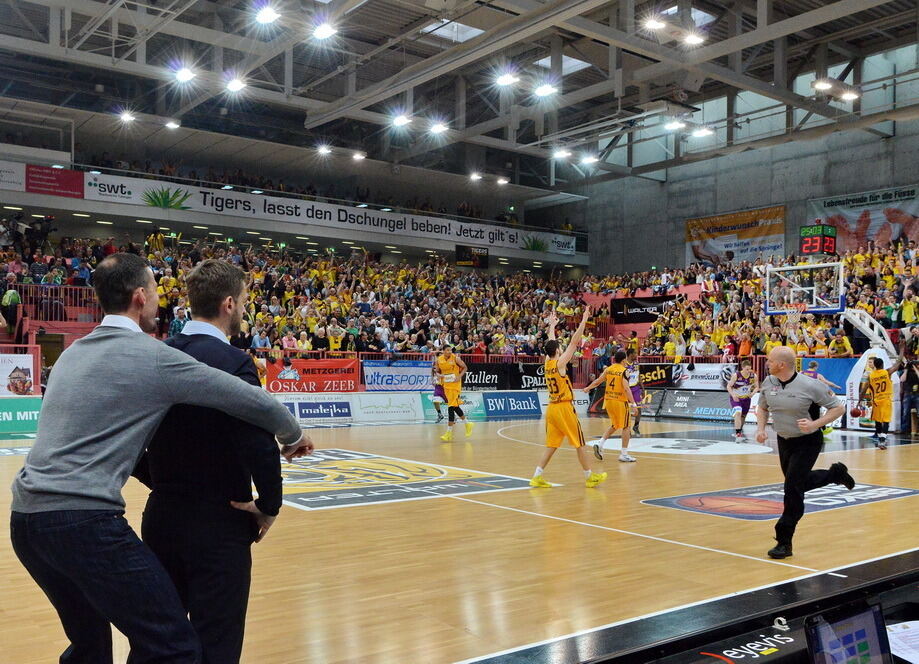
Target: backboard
[[815, 289]]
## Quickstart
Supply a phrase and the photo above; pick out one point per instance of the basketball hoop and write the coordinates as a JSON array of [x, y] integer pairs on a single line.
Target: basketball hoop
[[793, 315]]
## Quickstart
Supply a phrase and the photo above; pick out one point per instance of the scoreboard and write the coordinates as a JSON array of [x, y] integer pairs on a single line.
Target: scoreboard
[[817, 239]]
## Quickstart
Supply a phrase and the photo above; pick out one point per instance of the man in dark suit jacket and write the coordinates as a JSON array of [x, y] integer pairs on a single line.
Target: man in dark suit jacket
[[200, 519]]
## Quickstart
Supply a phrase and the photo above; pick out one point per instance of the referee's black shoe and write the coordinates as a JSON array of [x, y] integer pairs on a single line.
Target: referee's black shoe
[[840, 474], [780, 551]]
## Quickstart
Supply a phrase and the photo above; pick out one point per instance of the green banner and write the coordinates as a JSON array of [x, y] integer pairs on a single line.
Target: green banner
[[471, 404], [19, 414]]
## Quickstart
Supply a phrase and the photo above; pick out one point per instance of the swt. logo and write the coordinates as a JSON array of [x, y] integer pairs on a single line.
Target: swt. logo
[[768, 645]]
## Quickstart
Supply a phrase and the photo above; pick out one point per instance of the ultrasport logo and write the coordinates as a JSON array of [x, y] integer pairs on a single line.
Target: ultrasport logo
[[767, 645]]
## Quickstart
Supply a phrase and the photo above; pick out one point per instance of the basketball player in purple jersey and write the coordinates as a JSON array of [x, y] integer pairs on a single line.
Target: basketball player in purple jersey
[[632, 374], [813, 373], [439, 394], [741, 388]]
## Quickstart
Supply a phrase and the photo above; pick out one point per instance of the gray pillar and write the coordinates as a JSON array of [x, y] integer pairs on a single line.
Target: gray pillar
[[731, 110], [763, 13], [288, 71], [460, 99], [780, 63], [54, 26], [555, 70]]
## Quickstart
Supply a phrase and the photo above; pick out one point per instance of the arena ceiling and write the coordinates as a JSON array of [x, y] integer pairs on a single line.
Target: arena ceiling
[[438, 61]]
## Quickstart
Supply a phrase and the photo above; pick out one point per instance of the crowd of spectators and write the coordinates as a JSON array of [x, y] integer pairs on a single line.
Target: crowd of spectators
[[355, 303]]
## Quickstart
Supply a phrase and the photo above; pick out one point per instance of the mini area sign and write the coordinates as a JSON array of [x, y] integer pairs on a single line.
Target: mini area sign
[[765, 502]]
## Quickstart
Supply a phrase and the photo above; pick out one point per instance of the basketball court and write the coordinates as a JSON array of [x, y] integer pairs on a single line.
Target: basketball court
[[396, 547]]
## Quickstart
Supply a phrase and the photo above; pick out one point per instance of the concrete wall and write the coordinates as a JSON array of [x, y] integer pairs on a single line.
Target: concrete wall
[[635, 224]]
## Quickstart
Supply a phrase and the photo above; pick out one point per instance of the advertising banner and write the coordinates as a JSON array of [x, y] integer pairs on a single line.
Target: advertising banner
[[19, 414], [884, 215], [736, 236], [490, 376], [511, 404], [656, 375], [12, 175], [714, 376], [171, 196], [16, 375], [859, 374], [298, 375], [627, 310], [402, 407], [319, 408], [472, 256], [697, 405], [470, 402], [54, 181], [397, 375], [532, 376]]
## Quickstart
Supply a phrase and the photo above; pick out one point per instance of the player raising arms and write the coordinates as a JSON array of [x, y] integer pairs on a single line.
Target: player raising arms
[[451, 370], [741, 388], [881, 398], [561, 420], [619, 403]]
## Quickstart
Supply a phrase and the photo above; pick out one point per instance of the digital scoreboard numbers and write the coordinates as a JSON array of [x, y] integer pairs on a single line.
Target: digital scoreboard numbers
[[817, 239]]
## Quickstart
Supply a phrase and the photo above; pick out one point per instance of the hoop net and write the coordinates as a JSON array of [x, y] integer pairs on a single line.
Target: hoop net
[[793, 316]]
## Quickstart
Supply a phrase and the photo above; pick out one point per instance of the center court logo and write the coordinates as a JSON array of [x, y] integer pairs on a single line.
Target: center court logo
[[765, 646]]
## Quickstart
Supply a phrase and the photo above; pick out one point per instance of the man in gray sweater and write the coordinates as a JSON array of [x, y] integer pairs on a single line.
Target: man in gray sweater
[[104, 402]]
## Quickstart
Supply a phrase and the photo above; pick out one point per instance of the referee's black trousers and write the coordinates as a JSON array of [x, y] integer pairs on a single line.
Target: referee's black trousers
[[797, 457]]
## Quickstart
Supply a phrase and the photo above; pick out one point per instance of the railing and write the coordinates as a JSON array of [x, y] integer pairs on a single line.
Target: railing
[[48, 302], [580, 237]]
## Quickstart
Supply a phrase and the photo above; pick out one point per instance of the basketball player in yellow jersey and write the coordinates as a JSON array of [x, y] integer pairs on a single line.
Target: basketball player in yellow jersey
[[561, 420], [619, 403], [451, 369], [881, 398]]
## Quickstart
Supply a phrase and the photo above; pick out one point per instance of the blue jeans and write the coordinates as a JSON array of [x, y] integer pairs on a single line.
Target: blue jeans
[[96, 571]]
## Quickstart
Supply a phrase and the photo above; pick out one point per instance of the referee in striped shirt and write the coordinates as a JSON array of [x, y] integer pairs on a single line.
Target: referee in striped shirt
[[794, 401]]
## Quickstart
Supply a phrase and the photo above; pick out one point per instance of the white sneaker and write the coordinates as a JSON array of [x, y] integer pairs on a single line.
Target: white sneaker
[[625, 457], [740, 438]]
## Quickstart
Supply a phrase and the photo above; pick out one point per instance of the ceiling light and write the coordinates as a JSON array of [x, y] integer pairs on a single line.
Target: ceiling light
[[395, 252], [561, 154], [358, 156], [324, 31], [503, 181], [313, 244], [390, 246], [849, 95], [127, 116], [347, 242], [589, 159], [401, 120], [257, 191], [38, 216], [386, 209], [253, 233], [673, 125], [107, 223], [266, 239], [266, 15], [654, 24], [693, 39], [822, 85], [235, 85], [324, 149], [95, 172], [438, 128], [13, 207], [701, 132], [143, 221], [203, 228], [506, 79], [526, 270], [80, 214], [227, 187], [475, 177], [173, 124], [163, 228], [184, 75], [566, 265], [545, 90], [212, 233], [361, 205], [56, 166], [302, 237]]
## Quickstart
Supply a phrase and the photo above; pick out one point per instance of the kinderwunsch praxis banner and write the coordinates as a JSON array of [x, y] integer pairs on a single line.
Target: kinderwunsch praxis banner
[[172, 196], [885, 215], [738, 236]]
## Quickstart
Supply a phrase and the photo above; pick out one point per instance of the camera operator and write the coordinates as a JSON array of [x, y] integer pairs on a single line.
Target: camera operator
[[12, 233], [910, 389], [37, 234]]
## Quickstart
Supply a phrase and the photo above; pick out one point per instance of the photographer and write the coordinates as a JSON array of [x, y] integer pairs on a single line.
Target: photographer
[[910, 390]]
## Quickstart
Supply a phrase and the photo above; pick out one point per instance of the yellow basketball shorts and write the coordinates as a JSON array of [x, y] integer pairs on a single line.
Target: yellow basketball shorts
[[618, 412], [881, 411], [562, 422]]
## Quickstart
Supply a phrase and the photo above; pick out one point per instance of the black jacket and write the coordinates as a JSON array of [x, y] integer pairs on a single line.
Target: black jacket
[[201, 454]]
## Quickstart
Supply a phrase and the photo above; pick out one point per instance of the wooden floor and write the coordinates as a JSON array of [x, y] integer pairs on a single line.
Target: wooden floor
[[451, 578]]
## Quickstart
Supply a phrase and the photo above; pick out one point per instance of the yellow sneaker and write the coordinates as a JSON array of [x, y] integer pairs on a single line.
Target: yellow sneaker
[[595, 479], [540, 483], [447, 437], [468, 429]]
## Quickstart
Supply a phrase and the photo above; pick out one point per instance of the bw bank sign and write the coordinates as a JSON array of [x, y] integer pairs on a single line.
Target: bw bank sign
[[511, 404]]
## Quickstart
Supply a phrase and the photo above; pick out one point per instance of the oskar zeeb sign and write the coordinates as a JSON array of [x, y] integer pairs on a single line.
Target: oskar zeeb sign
[[170, 196]]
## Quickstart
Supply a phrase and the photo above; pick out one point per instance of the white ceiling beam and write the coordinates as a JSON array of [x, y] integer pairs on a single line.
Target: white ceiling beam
[[508, 33]]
